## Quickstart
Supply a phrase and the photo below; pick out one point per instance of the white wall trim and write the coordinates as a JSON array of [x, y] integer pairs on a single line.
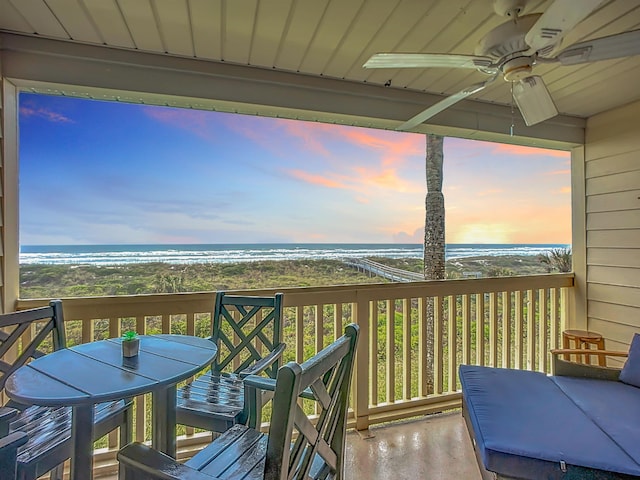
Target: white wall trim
[[578, 317]]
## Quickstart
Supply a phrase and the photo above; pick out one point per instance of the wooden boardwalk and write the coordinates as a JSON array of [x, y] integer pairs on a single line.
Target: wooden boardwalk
[[380, 270]]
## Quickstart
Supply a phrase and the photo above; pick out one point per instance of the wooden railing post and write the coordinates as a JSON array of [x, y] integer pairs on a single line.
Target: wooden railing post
[[566, 311], [361, 373]]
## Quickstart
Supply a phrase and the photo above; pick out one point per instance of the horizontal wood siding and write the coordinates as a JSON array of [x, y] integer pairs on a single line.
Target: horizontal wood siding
[[612, 184]]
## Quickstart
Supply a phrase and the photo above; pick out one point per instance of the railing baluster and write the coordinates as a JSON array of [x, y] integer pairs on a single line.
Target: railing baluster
[[87, 330], [493, 330], [190, 330], [337, 321], [318, 321], [519, 330], [422, 348], [391, 348], [366, 359], [140, 408], [466, 329], [115, 327], [542, 331], [452, 341], [141, 325], [554, 318], [373, 352], [480, 340], [531, 331], [299, 333], [437, 345], [506, 329], [406, 348], [166, 324], [565, 311]]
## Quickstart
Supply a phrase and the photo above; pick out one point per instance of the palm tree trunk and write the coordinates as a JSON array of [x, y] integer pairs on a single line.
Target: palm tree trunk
[[434, 240]]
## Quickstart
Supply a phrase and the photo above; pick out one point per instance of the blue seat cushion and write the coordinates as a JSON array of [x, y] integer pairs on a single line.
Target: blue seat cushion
[[613, 406], [524, 422]]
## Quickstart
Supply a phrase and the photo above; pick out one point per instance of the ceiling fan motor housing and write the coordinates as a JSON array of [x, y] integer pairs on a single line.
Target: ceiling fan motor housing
[[507, 38], [516, 69]]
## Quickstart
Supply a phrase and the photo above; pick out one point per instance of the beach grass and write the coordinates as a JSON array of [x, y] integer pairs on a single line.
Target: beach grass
[[76, 280]]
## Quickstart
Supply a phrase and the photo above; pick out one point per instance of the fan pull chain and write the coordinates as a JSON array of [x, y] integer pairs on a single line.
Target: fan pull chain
[[513, 118]]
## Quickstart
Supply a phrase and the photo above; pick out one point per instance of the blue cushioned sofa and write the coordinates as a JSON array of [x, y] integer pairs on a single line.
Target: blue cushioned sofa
[[580, 423]]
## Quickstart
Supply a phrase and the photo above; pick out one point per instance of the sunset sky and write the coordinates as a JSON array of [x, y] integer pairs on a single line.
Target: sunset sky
[[113, 173]]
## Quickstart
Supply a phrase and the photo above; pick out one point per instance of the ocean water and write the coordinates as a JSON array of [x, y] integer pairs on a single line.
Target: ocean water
[[228, 253]]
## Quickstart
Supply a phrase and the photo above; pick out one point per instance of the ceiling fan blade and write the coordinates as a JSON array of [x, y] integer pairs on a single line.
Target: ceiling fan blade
[[426, 60], [620, 45], [533, 100], [561, 17], [444, 104]]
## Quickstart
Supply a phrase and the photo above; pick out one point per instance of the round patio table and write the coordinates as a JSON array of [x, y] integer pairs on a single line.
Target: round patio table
[[91, 373]]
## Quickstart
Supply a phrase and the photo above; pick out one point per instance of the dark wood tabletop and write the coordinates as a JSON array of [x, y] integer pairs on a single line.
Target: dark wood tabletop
[[96, 372]]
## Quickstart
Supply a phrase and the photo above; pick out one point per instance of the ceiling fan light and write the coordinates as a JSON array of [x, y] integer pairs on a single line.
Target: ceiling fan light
[[533, 100]]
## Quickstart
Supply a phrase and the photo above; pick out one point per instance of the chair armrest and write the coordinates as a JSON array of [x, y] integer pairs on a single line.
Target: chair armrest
[[261, 365], [261, 383], [6, 415], [137, 458], [9, 452], [562, 367], [255, 399], [606, 353]]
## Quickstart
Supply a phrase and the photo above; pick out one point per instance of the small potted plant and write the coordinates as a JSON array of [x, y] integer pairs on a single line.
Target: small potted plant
[[130, 344]]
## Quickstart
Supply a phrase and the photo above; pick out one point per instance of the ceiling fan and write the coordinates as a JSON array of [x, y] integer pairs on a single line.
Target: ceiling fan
[[512, 50]]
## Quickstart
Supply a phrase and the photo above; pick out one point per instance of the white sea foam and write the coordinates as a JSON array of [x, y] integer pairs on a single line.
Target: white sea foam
[[185, 254]]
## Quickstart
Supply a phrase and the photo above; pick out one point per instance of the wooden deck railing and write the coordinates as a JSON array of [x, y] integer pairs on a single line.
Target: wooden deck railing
[[506, 322]]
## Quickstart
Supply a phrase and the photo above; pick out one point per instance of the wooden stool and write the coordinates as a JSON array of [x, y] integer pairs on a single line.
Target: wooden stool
[[582, 340]]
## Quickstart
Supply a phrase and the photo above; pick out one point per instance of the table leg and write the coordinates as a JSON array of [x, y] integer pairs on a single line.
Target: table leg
[[82, 437], [163, 436]]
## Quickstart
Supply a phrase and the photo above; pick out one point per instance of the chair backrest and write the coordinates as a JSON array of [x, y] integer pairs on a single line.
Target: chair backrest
[[28, 331], [318, 449], [246, 329]]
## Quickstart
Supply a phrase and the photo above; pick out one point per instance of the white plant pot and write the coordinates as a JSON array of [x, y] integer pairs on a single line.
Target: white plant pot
[[130, 348]]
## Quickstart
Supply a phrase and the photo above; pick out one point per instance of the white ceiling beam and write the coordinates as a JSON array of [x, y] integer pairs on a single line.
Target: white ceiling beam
[[69, 68]]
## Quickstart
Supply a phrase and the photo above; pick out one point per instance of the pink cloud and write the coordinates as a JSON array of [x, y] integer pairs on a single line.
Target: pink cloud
[[315, 179], [520, 150], [392, 147], [44, 113], [305, 131], [559, 172], [386, 180], [416, 237], [194, 121]]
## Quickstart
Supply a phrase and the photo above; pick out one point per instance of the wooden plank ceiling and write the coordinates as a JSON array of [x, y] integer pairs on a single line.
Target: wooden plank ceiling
[[333, 38]]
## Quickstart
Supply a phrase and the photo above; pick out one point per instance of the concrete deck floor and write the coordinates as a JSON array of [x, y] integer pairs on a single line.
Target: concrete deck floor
[[436, 447]]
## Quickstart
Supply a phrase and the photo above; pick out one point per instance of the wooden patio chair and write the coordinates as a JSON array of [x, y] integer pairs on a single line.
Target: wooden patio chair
[[294, 448], [248, 333], [47, 429], [9, 453]]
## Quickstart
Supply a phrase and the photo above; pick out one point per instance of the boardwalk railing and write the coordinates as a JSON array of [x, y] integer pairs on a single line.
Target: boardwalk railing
[[390, 273], [400, 372]]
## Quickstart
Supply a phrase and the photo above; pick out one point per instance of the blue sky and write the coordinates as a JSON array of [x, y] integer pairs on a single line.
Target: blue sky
[[105, 172]]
